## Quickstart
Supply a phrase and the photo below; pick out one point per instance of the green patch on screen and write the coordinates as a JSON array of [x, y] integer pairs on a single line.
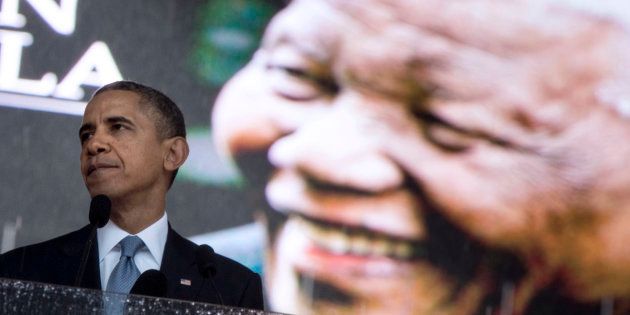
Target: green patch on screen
[[227, 35], [204, 165]]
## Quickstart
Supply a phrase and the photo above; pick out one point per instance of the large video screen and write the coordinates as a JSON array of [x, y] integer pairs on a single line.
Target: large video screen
[[366, 157]]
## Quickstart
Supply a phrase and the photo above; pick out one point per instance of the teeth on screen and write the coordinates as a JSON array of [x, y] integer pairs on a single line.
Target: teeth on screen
[[346, 241], [337, 242], [381, 247], [403, 250], [360, 245]]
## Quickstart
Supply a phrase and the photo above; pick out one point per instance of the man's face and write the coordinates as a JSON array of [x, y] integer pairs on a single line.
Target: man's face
[[377, 116], [121, 153]]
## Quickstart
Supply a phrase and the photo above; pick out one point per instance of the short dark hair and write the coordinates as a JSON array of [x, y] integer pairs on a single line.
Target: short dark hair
[[168, 119]]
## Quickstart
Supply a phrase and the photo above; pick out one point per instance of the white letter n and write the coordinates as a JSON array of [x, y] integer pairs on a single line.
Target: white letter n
[[61, 17]]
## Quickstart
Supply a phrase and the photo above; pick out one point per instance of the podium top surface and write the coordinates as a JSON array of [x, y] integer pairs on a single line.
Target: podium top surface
[[25, 297]]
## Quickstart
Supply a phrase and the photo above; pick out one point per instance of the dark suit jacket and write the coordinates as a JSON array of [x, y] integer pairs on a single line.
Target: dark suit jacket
[[57, 261]]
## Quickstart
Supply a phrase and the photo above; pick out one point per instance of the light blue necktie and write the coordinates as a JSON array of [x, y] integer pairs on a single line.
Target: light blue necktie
[[126, 272]]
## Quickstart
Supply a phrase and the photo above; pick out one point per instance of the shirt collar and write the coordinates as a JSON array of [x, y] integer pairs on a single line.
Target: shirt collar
[[154, 237]]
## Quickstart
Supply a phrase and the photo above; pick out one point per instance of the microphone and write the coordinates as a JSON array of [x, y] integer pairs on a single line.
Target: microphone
[[204, 256], [150, 283], [100, 209]]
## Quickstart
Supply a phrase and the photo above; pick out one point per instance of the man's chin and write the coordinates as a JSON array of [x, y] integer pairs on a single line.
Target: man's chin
[[304, 294], [102, 189], [305, 281]]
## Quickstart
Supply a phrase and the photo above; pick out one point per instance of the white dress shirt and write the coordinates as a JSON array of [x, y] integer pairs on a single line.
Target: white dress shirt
[[147, 257]]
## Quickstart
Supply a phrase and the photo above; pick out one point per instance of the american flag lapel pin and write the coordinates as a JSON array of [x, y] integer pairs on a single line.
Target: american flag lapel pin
[[185, 282]]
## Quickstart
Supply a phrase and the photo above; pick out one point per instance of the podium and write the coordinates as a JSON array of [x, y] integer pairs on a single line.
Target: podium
[[25, 297]]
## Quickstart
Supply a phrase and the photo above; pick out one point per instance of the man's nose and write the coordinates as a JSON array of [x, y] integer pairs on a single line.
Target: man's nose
[[248, 117], [98, 144], [340, 148]]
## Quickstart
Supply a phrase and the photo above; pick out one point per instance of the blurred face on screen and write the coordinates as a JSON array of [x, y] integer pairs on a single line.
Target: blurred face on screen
[[410, 138]]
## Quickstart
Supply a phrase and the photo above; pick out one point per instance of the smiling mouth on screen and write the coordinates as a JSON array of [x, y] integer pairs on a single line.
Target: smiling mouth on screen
[[358, 246], [344, 232], [335, 262], [342, 239]]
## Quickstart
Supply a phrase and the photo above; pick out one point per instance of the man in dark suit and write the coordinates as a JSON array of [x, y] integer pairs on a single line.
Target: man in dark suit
[[133, 140]]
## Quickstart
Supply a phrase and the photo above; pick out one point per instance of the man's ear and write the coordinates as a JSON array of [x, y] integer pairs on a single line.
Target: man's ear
[[176, 153]]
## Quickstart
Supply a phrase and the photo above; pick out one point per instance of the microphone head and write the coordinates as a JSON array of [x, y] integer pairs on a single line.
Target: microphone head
[[204, 255], [100, 208], [151, 283]]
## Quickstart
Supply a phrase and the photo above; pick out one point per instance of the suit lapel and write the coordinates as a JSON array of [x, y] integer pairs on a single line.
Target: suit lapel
[[92, 275], [178, 264], [73, 251], [180, 268]]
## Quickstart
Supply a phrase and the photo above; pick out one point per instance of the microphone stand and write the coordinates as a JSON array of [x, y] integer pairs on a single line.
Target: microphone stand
[[84, 257]]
